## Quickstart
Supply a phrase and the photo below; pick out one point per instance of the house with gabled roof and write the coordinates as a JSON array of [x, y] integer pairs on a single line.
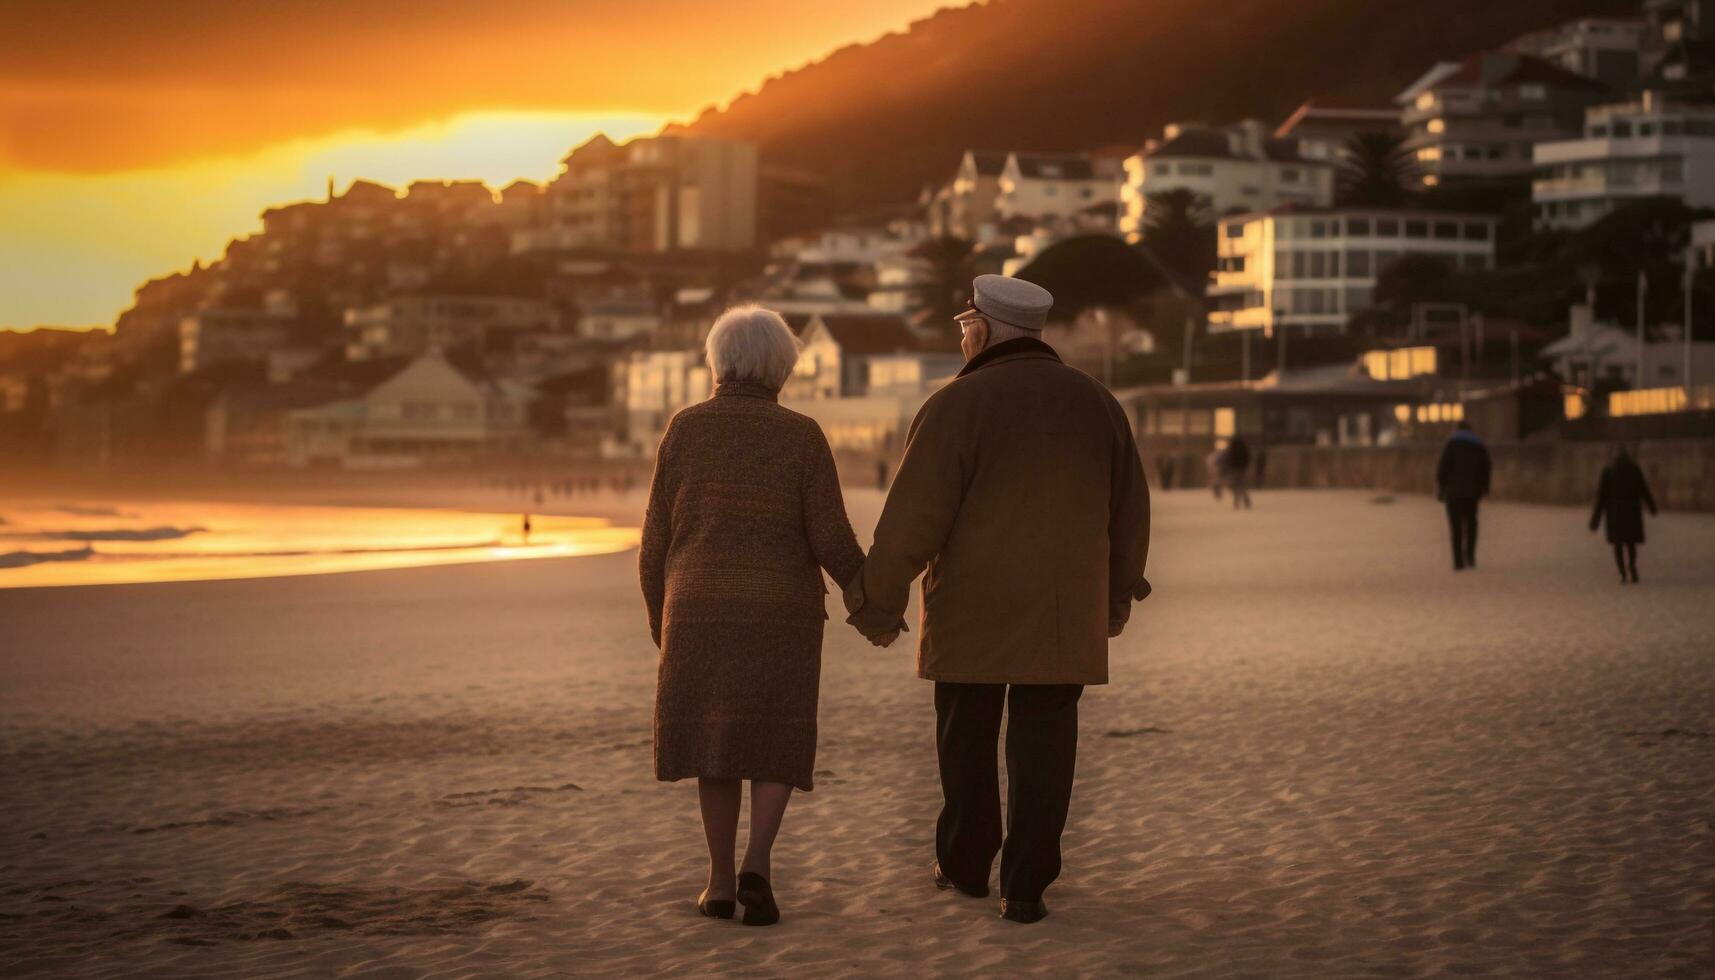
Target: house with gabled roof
[[1237, 168]]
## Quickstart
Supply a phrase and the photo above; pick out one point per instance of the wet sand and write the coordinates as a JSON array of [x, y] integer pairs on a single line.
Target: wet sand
[[1324, 754]]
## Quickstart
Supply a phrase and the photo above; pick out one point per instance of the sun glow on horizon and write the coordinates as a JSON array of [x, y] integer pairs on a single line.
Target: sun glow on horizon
[[74, 246]]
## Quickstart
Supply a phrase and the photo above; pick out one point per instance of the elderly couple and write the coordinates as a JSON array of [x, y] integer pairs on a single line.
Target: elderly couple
[[1022, 494]]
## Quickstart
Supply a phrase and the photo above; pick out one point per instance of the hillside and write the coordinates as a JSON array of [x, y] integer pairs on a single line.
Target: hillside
[[881, 119]]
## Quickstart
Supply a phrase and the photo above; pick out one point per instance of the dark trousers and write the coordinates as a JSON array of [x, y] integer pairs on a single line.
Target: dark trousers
[[1462, 523], [1041, 750]]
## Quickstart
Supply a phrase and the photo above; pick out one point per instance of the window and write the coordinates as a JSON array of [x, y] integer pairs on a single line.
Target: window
[[1318, 229], [1162, 169], [1318, 265], [1357, 298], [1535, 92], [1476, 231], [1289, 175], [1387, 228], [1622, 129], [1358, 265], [1672, 127], [1236, 229], [1435, 126], [1283, 265], [1417, 229], [1599, 131], [1429, 154], [1358, 227], [1446, 229], [1672, 170], [1646, 129], [1497, 151]]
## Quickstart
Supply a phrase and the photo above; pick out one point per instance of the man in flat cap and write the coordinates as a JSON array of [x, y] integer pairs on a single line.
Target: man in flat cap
[[1022, 493]]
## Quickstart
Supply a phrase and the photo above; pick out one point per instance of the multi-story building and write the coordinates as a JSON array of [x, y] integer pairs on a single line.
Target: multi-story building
[[1679, 43], [405, 326], [218, 336], [1312, 269], [654, 194], [656, 385], [1042, 186], [965, 206], [1479, 119], [1239, 168], [1648, 148], [1322, 131], [1608, 49], [838, 351]]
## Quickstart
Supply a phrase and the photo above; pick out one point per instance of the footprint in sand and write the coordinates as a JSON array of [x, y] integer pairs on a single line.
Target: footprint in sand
[[1134, 732]]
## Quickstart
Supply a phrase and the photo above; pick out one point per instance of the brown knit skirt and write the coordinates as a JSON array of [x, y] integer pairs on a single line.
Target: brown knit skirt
[[738, 701]]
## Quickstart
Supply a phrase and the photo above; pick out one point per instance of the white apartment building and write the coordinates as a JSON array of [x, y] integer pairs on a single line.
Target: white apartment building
[[657, 385], [1238, 168], [1055, 185], [1649, 148], [1608, 49], [1313, 269], [410, 325], [1479, 119]]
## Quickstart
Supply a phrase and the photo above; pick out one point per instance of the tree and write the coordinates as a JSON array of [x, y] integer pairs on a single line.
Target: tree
[[1179, 233], [1088, 271], [1375, 171], [947, 289]]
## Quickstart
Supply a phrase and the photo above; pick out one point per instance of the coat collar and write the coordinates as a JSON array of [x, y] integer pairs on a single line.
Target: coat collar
[[746, 389], [1017, 346]]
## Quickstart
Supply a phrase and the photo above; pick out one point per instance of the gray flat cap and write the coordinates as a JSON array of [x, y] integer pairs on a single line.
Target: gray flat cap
[[1022, 304]]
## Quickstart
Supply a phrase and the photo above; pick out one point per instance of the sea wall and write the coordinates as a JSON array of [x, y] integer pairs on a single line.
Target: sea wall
[[1681, 471]]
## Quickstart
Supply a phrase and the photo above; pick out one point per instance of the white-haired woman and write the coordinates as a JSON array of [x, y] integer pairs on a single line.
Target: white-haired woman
[[744, 514]]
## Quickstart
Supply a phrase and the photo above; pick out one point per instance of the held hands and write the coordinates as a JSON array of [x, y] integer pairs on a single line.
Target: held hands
[[885, 639]]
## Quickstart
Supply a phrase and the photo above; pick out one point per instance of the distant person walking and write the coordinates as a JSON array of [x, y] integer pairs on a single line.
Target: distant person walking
[[1235, 469], [1164, 464], [1462, 479], [526, 528], [1212, 466], [1621, 496]]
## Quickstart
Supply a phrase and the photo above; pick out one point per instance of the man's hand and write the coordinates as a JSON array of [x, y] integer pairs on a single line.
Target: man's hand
[[885, 639]]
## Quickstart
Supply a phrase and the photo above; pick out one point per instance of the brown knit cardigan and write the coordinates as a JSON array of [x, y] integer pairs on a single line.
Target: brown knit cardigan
[[744, 514]]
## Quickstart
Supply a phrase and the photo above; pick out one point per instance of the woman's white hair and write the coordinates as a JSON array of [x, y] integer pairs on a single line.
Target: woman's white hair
[[749, 343]]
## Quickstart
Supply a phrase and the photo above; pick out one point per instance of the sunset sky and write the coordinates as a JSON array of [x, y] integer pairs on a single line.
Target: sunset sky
[[135, 138]]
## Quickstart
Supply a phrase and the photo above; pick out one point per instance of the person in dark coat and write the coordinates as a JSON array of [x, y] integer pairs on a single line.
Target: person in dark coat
[[1462, 479], [1022, 493], [1621, 496], [744, 515], [1235, 465]]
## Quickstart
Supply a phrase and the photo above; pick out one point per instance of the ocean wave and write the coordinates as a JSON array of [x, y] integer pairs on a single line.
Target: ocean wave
[[24, 559]]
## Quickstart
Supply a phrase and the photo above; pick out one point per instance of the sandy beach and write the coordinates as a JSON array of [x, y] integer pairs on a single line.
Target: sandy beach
[[1324, 754]]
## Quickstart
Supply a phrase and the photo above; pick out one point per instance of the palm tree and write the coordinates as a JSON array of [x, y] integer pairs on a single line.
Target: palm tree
[[1179, 233], [1375, 171], [947, 289]]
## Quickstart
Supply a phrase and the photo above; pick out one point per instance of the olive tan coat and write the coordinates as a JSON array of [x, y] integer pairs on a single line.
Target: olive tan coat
[[1022, 494]]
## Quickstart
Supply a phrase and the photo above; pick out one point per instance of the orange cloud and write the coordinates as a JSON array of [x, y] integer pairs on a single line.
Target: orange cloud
[[112, 85]]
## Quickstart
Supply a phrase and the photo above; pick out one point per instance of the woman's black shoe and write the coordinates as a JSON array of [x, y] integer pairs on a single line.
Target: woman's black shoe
[[758, 900], [714, 908]]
